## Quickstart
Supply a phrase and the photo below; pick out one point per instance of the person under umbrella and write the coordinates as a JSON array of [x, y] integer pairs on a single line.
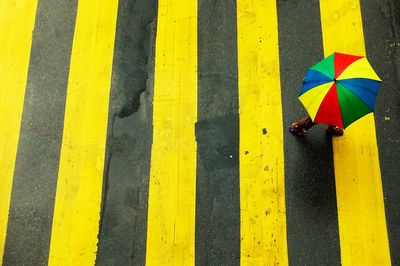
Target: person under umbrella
[[337, 91]]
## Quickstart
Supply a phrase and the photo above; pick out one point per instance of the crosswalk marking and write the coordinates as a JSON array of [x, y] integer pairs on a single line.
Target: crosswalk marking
[[361, 213], [79, 187], [16, 24], [171, 214], [171, 211], [262, 193]]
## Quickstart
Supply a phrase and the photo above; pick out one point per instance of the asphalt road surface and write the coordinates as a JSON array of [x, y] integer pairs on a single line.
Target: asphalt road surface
[[144, 132]]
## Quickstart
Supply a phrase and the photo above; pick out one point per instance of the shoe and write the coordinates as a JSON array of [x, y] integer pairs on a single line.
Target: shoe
[[334, 131], [297, 130]]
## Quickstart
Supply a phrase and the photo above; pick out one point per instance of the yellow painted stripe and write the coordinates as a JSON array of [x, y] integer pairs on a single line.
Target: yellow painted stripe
[[262, 194], [362, 224], [172, 188], [17, 20], [79, 187]]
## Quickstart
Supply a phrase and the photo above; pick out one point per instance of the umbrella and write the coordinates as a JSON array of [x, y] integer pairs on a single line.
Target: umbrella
[[340, 89]]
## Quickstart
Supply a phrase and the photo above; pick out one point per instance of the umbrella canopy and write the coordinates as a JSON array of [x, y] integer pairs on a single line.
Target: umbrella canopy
[[340, 89]]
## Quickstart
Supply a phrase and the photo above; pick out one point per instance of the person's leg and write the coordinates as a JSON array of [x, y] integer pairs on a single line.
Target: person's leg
[[306, 122], [300, 127], [334, 131]]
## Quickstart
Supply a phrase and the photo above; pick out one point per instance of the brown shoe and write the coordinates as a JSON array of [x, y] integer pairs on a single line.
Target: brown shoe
[[334, 131], [297, 130]]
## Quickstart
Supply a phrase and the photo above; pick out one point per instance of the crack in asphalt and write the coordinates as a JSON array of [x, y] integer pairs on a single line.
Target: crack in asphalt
[[391, 11], [132, 76], [140, 71]]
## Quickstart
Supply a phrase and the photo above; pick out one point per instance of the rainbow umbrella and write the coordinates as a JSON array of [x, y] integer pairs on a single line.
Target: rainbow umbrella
[[340, 89]]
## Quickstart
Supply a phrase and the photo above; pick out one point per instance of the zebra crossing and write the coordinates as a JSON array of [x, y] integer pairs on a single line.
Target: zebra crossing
[[252, 187]]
